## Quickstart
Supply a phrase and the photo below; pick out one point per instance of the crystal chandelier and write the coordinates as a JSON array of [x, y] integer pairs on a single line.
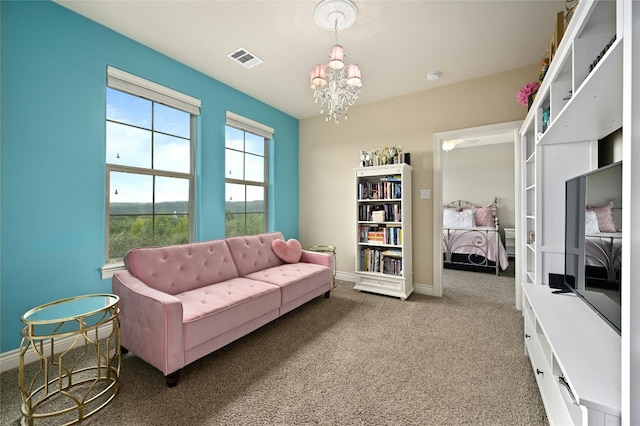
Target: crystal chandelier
[[335, 86]]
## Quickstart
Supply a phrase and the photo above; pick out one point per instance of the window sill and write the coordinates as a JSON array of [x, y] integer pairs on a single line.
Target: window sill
[[109, 269]]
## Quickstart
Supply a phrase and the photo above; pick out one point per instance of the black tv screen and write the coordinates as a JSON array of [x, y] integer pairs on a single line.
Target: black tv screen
[[593, 240]]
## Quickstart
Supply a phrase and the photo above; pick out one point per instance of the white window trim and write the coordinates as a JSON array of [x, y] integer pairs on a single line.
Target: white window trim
[[126, 82], [109, 269], [248, 125]]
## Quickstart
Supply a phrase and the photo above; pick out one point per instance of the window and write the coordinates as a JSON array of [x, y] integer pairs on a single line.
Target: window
[[149, 165], [246, 145]]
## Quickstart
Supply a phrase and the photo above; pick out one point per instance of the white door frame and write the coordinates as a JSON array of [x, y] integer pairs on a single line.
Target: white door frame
[[470, 133]]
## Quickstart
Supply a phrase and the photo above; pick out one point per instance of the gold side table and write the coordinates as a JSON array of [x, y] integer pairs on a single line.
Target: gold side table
[[77, 372], [329, 250]]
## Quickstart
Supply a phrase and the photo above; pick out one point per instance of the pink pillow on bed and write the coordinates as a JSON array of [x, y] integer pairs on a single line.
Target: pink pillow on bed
[[289, 251], [604, 214], [484, 215]]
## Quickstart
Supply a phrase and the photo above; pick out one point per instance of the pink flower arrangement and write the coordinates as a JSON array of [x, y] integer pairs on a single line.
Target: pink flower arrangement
[[526, 91]]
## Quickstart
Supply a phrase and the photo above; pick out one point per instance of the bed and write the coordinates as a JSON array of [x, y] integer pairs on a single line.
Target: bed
[[471, 238], [602, 255], [603, 244]]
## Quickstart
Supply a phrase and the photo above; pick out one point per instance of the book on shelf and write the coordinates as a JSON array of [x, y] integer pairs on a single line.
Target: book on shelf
[[391, 235], [393, 212], [393, 253], [375, 260], [391, 266], [375, 236], [362, 237], [386, 212], [370, 260], [398, 191], [378, 216], [383, 189]]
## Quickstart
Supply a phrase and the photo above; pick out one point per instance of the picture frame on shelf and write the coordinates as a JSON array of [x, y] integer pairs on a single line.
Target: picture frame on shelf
[[557, 35]]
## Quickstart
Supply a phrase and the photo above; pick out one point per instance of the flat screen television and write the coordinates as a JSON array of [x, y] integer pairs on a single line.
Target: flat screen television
[[593, 240]]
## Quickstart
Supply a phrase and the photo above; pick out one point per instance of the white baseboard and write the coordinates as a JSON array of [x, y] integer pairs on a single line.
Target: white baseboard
[[346, 276], [417, 288], [427, 290], [11, 359]]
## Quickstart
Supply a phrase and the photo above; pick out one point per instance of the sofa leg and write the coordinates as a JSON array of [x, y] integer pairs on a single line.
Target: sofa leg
[[326, 295], [172, 379], [124, 350]]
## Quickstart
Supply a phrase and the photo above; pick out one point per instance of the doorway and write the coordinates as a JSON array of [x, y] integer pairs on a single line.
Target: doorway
[[477, 134]]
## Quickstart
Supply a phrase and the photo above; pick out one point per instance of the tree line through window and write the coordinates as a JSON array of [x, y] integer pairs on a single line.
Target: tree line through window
[[245, 182], [149, 173]]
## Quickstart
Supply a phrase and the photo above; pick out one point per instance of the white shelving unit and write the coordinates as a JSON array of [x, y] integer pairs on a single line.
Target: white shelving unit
[[560, 356], [510, 241], [383, 246], [583, 107], [582, 95]]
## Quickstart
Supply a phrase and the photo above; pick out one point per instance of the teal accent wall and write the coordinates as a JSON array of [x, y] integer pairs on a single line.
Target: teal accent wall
[[52, 211]]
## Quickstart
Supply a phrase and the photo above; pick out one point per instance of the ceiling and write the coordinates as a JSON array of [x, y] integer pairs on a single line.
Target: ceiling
[[395, 43], [493, 139]]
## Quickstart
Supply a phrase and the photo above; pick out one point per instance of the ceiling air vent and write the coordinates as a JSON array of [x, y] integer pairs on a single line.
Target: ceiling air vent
[[245, 58]]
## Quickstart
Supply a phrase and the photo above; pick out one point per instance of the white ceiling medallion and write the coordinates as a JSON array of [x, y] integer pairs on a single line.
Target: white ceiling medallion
[[328, 12]]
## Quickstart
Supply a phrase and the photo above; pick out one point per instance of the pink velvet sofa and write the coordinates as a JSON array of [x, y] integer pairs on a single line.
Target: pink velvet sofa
[[179, 303]]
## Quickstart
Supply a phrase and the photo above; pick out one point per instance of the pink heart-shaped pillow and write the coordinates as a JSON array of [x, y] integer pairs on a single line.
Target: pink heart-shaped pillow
[[289, 251]]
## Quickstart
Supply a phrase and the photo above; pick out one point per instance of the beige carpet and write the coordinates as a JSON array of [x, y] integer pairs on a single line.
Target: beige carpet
[[353, 359]]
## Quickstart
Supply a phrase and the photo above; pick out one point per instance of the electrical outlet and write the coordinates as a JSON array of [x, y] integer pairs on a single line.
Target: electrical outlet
[[425, 193]]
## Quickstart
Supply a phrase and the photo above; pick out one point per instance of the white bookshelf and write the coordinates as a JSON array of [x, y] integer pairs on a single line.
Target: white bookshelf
[[383, 244]]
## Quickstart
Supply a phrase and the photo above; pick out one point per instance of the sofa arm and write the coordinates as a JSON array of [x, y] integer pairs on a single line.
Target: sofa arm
[[150, 323], [317, 258]]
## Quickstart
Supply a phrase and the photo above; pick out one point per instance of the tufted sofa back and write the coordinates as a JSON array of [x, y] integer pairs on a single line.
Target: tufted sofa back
[[253, 253], [178, 268]]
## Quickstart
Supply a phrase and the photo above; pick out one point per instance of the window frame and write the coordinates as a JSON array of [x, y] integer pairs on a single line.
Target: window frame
[[266, 133], [135, 86]]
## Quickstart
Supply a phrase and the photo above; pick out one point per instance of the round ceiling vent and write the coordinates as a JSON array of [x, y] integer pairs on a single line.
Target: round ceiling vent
[[433, 75]]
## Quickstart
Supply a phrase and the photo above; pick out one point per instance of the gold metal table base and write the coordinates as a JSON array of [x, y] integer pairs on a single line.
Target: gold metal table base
[[76, 380], [328, 250]]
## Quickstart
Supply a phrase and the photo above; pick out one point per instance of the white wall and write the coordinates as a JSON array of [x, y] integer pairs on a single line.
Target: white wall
[[478, 174], [330, 152]]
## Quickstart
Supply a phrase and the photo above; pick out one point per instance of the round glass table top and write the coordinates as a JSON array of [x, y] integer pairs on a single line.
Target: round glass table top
[[67, 309]]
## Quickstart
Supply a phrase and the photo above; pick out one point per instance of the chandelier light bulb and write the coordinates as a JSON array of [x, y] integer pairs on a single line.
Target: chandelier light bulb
[[353, 76], [318, 77], [336, 60]]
